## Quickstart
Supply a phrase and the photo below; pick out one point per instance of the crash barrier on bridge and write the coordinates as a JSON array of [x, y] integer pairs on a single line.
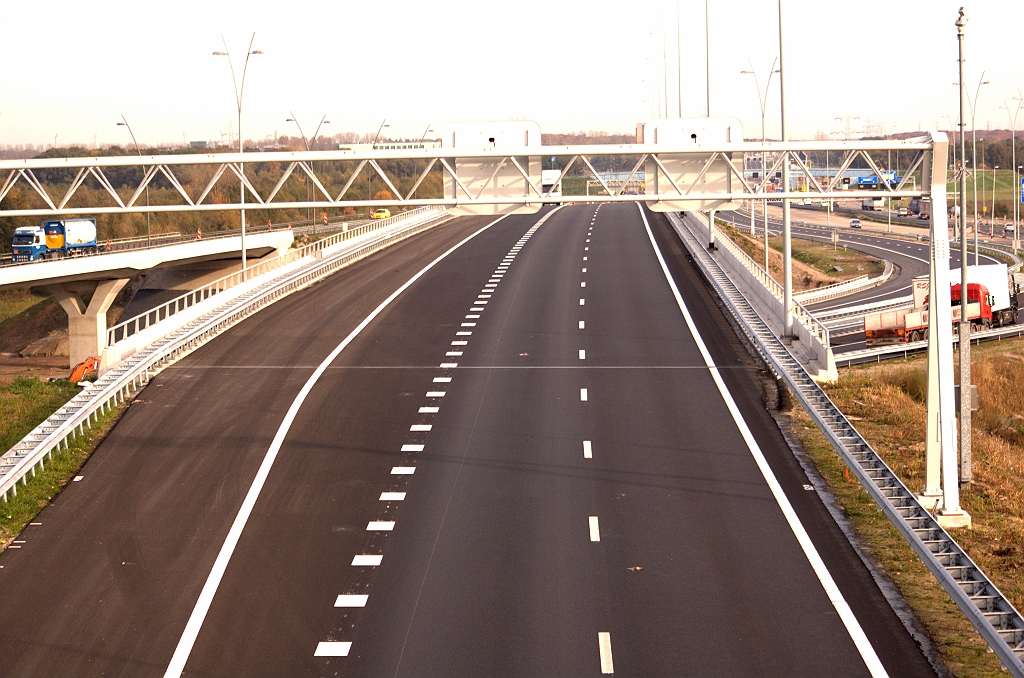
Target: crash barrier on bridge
[[879, 353], [999, 623], [846, 287], [131, 374], [128, 335], [812, 335]]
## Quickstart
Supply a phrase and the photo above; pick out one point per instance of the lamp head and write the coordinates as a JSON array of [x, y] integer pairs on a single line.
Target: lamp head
[[256, 51], [121, 124], [220, 54], [290, 120]]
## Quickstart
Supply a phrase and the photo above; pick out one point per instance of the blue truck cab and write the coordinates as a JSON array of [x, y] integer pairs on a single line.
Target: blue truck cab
[[28, 243]]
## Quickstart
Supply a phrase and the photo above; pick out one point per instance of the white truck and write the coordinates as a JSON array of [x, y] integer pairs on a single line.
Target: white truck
[[872, 204]]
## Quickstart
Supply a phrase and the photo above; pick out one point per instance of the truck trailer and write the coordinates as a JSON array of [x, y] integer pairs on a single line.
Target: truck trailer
[[54, 240], [872, 204], [993, 300]]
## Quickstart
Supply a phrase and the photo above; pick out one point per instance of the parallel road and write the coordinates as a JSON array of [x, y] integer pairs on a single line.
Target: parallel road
[[534, 460]]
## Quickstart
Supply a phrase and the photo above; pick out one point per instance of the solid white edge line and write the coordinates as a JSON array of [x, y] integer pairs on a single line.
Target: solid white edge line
[[195, 621], [604, 644], [835, 596]]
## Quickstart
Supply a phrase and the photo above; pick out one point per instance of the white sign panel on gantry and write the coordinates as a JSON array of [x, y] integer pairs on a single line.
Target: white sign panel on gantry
[[693, 173], [498, 177]]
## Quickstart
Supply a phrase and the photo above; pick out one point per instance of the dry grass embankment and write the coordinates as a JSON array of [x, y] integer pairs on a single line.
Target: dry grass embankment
[[887, 404]]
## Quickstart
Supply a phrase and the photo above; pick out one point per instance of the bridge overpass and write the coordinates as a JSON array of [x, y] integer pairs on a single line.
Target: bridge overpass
[[87, 286]]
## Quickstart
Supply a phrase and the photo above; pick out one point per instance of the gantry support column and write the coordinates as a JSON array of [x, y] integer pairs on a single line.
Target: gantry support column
[[86, 304]]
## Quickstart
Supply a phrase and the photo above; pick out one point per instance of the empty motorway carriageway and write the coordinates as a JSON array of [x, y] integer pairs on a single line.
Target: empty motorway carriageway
[[526, 446]]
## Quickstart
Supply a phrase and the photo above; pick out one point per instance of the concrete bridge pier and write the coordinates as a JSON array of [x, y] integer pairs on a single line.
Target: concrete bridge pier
[[86, 303]]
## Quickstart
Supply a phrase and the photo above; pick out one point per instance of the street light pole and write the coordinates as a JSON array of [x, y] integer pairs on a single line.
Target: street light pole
[[239, 94], [787, 235], [305, 142], [124, 123], [1013, 149], [369, 175], [763, 101], [964, 327]]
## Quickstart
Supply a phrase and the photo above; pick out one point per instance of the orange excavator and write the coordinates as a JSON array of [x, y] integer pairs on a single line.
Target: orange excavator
[[83, 368]]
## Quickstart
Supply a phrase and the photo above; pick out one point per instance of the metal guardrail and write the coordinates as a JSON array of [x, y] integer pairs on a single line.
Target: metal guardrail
[[803, 316], [846, 287], [879, 353], [137, 323], [131, 374], [999, 623], [860, 310]]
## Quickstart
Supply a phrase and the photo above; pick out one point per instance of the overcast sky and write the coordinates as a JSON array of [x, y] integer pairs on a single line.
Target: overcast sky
[[72, 68]]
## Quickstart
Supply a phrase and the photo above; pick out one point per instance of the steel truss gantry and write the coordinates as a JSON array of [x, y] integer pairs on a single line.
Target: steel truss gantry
[[225, 169]]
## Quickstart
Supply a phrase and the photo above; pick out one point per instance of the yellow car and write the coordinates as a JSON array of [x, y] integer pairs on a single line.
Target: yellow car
[[381, 214]]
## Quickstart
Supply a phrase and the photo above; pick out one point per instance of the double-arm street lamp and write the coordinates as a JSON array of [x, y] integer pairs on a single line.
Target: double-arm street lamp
[[306, 142], [762, 99], [239, 94], [124, 123], [973, 104], [1013, 149]]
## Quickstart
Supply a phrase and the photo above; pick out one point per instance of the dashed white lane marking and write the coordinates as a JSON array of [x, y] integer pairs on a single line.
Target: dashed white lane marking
[[202, 606], [403, 470], [348, 600], [595, 530], [604, 646], [453, 365], [429, 410], [77, 478], [588, 239], [584, 258], [420, 427], [460, 343], [582, 325], [588, 450], [490, 285], [583, 354], [582, 302], [366, 560], [835, 596], [392, 496], [476, 309], [332, 649], [585, 249], [453, 354], [584, 270], [583, 284], [470, 324], [435, 394], [583, 394], [380, 526], [466, 333], [473, 316], [483, 296], [412, 448]]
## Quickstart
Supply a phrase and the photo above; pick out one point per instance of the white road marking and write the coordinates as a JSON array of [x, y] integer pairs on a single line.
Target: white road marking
[[585, 270], [449, 364], [420, 427], [483, 296], [433, 410], [403, 470], [585, 249], [416, 448], [366, 560], [583, 394], [496, 284], [604, 645], [588, 240], [583, 284], [332, 649], [392, 496], [202, 606], [583, 353], [582, 324], [475, 308], [466, 333], [466, 343], [78, 478], [581, 302], [470, 324], [380, 526], [435, 394], [473, 316], [588, 451], [453, 354], [349, 600], [595, 531], [835, 596]]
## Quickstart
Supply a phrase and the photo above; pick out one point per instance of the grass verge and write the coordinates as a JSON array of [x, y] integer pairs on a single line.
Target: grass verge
[[887, 404], [23, 405]]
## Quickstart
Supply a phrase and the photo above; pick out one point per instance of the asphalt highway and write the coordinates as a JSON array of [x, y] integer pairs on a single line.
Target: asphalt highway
[[528, 457]]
